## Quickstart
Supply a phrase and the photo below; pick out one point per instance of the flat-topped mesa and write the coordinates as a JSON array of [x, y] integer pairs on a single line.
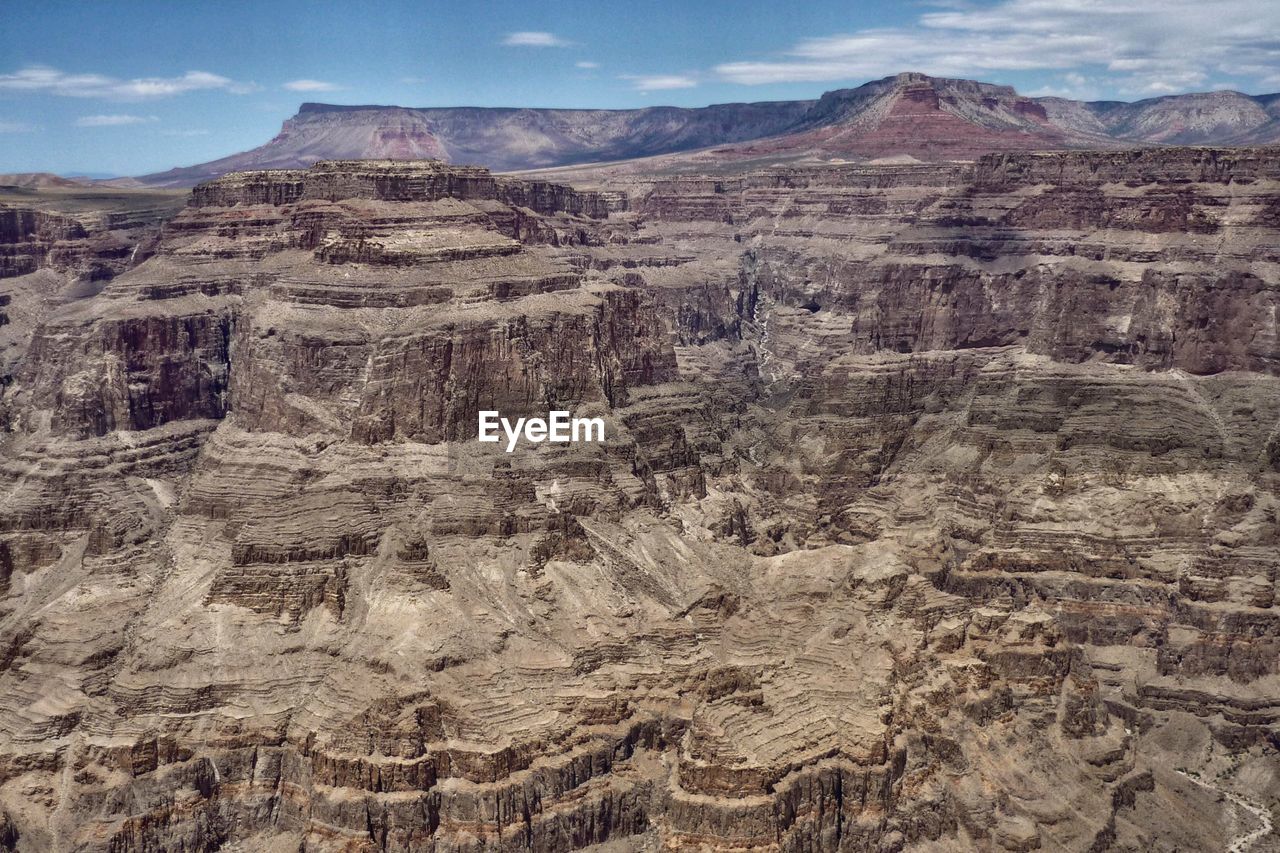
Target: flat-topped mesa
[[394, 180]]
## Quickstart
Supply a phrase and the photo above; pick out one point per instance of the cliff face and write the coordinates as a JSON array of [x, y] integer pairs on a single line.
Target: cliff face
[[931, 118], [496, 137], [60, 241], [938, 505]]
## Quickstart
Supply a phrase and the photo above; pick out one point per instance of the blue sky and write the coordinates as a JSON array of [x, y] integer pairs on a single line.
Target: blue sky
[[132, 87]]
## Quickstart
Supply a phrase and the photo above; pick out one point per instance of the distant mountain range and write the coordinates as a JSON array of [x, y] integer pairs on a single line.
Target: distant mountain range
[[908, 114], [38, 181]]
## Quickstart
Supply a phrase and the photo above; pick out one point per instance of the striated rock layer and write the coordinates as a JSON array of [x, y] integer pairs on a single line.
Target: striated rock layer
[[938, 509], [909, 114]]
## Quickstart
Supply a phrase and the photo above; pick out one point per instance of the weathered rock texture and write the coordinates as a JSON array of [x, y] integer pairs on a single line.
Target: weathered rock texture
[[61, 240], [938, 510]]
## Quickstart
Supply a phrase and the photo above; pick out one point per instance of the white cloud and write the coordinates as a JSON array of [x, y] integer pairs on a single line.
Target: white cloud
[[113, 120], [414, 81], [534, 39], [16, 127], [311, 86], [195, 132], [50, 81], [587, 64], [657, 82], [1138, 45], [1071, 85]]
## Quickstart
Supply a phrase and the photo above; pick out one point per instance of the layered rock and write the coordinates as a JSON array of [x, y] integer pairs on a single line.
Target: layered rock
[[911, 114], [937, 508], [61, 241]]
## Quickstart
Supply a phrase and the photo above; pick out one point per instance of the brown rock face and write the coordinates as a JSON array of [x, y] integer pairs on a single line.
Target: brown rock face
[[937, 508], [61, 241]]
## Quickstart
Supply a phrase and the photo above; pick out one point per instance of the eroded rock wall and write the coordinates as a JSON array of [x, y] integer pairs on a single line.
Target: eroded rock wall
[[937, 507]]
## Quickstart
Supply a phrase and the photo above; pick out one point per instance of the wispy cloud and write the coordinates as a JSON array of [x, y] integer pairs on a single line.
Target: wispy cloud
[[192, 132], [16, 127], [1140, 46], [535, 39], [113, 120], [414, 81], [659, 82], [41, 79], [587, 64], [311, 86], [1072, 85]]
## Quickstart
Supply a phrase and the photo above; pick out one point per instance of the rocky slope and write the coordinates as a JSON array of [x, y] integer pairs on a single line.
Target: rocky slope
[[497, 138], [938, 510], [62, 240], [911, 114], [37, 181]]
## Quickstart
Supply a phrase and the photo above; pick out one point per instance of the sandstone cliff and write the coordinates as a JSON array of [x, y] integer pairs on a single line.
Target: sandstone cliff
[[938, 510]]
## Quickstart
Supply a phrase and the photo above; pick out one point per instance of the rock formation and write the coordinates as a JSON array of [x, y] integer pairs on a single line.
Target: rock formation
[[938, 510], [912, 114], [61, 240]]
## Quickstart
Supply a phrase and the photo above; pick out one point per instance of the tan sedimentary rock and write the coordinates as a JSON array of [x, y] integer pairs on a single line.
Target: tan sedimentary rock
[[937, 510]]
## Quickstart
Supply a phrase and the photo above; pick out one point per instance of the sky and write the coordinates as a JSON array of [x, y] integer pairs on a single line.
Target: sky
[[121, 88]]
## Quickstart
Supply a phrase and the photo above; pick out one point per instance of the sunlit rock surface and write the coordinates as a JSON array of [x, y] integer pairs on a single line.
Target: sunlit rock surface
[[937, 510]]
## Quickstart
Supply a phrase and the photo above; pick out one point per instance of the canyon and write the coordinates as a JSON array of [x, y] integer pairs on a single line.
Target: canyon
[[938, 506]]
